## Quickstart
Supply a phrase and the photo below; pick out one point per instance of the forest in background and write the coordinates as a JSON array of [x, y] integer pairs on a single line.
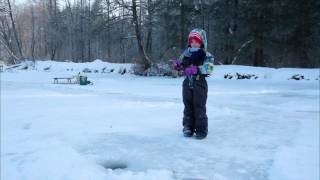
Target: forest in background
[[266, 33]]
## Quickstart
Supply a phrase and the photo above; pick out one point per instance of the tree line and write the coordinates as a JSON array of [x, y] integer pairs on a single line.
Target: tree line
[[247, 32]]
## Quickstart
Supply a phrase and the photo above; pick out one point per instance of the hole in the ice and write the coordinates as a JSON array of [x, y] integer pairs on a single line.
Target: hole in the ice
[[114, 165]]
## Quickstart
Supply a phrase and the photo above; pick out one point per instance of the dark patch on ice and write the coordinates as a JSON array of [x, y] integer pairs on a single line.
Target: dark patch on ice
[[307, 111], [114, 165], [27, 126], [9, 154]]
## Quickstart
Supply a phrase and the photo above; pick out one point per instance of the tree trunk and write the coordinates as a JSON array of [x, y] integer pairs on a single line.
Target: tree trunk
[[82, 43], [89, 32], [303, 34], [258, 54], [33, 42], [145, 60], [150, 26], [15, 30], [5, 39], [182, 25], [108, 30]]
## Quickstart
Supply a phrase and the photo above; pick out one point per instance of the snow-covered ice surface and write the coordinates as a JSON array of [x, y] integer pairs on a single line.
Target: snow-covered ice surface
[[129, 127]]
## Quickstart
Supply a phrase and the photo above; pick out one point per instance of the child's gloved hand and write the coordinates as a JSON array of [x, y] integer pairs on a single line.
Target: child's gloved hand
[[177, 65], [191, 70]]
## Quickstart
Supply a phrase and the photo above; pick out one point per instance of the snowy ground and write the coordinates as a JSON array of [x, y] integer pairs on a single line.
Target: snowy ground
[[129, 127]]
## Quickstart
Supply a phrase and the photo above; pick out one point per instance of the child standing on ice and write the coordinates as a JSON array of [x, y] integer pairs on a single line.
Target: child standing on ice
[[196, 63]]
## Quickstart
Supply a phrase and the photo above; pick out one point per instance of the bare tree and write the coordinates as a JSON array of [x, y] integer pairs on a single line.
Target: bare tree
[[33, 41], [108, 28], [6, 30], [249, 32], [15, 30], [144, 59]]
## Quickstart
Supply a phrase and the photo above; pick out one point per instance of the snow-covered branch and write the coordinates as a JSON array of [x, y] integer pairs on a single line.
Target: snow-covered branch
[[239, 50]]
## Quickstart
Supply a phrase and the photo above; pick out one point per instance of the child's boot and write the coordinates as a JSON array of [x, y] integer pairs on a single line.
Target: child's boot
[[187, 132], [201, 135]]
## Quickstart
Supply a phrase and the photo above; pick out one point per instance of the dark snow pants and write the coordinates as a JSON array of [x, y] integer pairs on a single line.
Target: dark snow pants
[[194, 94]]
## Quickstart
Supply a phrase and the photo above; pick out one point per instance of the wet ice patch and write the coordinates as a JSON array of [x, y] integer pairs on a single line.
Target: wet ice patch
[[114, 164], [27, 126]]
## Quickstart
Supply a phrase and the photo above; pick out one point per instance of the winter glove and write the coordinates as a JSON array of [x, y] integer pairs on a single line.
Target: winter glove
[[177, 65], [191, 70]]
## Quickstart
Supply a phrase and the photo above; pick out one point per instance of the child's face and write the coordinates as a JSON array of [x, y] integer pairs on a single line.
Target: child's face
[[195, 44]]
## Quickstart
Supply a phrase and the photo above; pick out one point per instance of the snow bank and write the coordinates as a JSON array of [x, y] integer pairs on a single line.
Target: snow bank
[[220, 71], [98, 65], [263, 73]]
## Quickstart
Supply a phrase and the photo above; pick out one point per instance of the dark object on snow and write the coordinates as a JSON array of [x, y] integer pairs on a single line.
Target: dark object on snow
[[47, 68], [103, 70], [241, 76], [86, 70], [228, 76], [246, 76], [297, 77], [14, 66], [96, 71], [68, 80], [83, 80], [122, 71], [24, 68], [194, 94]]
